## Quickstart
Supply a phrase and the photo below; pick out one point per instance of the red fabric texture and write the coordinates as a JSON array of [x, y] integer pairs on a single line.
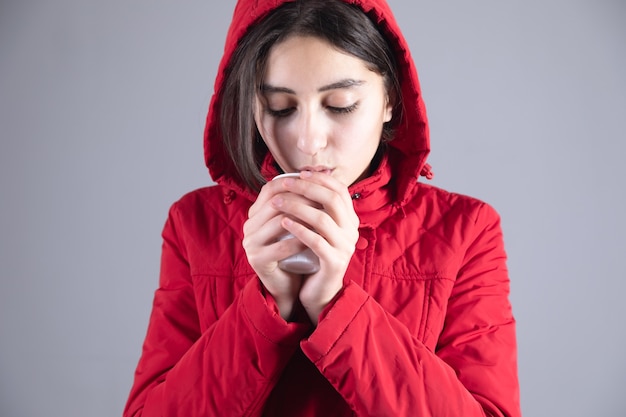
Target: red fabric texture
[[422, 327]]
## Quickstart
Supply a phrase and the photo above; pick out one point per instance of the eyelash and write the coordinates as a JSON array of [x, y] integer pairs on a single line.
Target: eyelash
[[336, 110], [344, 110], [279, 113]]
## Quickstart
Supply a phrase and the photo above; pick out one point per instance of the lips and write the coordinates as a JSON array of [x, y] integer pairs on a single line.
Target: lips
[[322, 169]]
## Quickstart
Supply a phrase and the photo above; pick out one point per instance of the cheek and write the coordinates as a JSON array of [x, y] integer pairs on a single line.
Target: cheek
[[274, 129], [363, 132], [275, 134]]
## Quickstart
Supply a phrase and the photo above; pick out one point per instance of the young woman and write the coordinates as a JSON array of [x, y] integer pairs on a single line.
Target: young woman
[[406, 312]]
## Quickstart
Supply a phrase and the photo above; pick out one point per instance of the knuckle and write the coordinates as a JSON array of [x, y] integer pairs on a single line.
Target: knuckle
[[317, 242], [321, 219], [335, 199]]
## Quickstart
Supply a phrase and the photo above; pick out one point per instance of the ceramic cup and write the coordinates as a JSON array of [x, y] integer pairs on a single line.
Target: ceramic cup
[[305, 262]]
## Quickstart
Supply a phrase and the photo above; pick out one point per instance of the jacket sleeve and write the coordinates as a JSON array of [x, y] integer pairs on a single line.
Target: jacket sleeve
[[230, 369], [473, 371]]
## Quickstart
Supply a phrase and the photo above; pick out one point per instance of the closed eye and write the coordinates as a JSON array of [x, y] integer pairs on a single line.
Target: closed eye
[[279, 113], [333, 109], [343, 110]]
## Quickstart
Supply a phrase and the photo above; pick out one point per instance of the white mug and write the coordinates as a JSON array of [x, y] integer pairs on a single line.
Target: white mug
[[305, 262]]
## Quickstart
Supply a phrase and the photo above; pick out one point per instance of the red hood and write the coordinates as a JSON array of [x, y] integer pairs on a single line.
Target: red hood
[[408, 149]]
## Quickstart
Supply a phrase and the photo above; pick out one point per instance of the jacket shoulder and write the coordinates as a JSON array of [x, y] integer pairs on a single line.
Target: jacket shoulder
[[208, 212], [207, 224], [435, 200], [211, 193], [445, 219], [214, 201]]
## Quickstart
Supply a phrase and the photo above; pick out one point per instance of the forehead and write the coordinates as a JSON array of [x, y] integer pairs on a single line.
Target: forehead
[[302, 60]]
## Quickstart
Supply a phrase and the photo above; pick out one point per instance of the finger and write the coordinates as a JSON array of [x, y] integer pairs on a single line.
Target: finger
[[268, 191], [265, 258], [325, 237], [308, 237], [326, 192], [261, 233], [261, 210]]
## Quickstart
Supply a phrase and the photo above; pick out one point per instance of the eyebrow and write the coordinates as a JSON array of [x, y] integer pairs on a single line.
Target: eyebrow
[[347, 83]]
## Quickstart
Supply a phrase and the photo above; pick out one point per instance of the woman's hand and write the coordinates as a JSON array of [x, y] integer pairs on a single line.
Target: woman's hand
[[319, 202], [264, 249]]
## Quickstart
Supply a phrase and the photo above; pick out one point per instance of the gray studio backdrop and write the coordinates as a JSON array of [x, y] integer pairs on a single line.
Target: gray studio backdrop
[[102, 108]]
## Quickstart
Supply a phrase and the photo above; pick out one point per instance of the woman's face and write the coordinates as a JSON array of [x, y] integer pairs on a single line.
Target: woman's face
[[320, 109]]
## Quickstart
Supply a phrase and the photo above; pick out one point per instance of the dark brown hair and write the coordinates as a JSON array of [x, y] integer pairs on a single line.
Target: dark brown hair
[[343, 25]]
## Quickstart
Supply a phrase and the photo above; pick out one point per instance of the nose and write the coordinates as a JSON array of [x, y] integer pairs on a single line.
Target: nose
[[311, 133]]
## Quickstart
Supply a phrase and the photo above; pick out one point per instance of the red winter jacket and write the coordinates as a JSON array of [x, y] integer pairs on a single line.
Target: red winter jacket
[[422, 327]]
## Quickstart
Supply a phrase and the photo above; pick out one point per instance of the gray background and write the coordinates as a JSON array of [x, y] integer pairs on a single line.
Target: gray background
[[102, 108]]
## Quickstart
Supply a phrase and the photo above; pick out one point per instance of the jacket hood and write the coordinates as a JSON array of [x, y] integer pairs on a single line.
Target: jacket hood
[[410, 146]]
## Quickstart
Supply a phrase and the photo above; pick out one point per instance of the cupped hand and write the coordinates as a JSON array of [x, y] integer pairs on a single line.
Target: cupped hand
[[317, 209], [263, 248]]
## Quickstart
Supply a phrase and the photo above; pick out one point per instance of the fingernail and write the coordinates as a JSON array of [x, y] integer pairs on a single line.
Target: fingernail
[[277, 201], [306, 174]]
